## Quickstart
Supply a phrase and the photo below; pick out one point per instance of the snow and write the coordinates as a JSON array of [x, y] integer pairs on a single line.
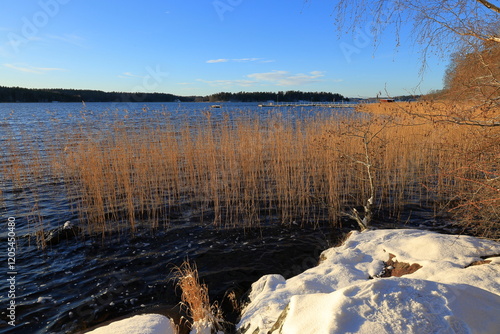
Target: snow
[[139, 324], [340, 295], [343, 294], [203, 327], [395, 305]]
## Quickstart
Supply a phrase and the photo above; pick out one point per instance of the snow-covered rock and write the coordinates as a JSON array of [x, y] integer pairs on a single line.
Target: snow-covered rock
[[342, 294], [139, 324], [395, 305]]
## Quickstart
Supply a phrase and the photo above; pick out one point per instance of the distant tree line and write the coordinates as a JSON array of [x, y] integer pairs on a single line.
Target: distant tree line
[[407, 97], [17, 94], [289, 96]]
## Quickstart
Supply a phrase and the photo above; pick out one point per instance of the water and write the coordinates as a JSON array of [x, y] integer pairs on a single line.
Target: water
[[80, 282], [77, 284], [36, 128]]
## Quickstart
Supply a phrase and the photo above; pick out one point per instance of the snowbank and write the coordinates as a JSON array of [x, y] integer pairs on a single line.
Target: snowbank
[[344, 294], [139, 324], [395, 305]]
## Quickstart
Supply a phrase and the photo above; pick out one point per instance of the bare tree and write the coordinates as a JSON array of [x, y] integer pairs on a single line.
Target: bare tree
[[442, 26], [367, 137], [467, 29]]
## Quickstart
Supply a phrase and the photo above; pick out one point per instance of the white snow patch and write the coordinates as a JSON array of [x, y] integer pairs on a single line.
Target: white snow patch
[[446, 295], [203, 327], [338, 295], [139, 324], [395, 305]]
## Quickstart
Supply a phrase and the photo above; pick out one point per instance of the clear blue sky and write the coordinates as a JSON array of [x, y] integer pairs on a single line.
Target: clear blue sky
[[200, 47]]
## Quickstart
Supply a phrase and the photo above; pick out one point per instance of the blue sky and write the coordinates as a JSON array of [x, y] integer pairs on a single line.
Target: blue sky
[[200, 47]]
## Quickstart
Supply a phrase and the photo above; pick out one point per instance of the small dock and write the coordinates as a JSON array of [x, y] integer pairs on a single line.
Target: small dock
[[309, 104]]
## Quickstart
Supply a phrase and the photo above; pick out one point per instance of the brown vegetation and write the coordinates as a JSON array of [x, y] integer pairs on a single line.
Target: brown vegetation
[[394, 268], [245, 171], [466, 177], [474, 76], [195, 299]]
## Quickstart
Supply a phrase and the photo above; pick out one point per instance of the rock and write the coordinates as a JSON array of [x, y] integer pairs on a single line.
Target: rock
[[438, 292], [395, 305]]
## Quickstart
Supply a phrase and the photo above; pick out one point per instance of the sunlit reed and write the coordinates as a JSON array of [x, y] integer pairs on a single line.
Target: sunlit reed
[[244, 170]]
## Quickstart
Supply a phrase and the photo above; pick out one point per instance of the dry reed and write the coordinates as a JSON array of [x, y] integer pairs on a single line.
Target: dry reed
[[246, 170], [463, 159], [195, 298]]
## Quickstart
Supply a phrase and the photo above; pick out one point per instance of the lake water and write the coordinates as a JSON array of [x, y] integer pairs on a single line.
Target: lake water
[[81, 282]]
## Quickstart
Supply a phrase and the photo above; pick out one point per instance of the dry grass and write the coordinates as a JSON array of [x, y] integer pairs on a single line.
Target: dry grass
[[244, 170], [195, 299], [462, 156], [235, 173]]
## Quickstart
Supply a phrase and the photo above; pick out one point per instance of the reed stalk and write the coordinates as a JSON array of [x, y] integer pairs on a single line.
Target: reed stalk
[[244, 170]]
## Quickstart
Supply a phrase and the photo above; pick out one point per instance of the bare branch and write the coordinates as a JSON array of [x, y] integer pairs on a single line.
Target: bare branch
[[489, 5], [443, 26]]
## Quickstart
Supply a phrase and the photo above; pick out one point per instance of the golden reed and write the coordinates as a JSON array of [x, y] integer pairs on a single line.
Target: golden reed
[[245, 170]]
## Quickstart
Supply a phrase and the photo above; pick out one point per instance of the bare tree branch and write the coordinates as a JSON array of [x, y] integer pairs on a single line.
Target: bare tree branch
[[489, 5], [443, 26]]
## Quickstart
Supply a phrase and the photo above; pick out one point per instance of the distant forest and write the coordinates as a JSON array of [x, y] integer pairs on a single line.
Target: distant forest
[[289, 96], [18, 94]]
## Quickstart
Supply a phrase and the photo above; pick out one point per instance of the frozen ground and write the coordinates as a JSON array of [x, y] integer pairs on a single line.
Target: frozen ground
[[455, 289]]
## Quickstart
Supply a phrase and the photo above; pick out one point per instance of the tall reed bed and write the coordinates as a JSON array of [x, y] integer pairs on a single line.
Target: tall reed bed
[[461, 168], [243, 170], [231, 172]]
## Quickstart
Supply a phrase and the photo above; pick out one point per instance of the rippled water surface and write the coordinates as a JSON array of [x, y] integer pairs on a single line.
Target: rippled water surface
[[79, 282]]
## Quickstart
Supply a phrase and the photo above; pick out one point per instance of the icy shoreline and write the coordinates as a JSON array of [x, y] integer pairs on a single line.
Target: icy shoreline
[[455, 289]]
